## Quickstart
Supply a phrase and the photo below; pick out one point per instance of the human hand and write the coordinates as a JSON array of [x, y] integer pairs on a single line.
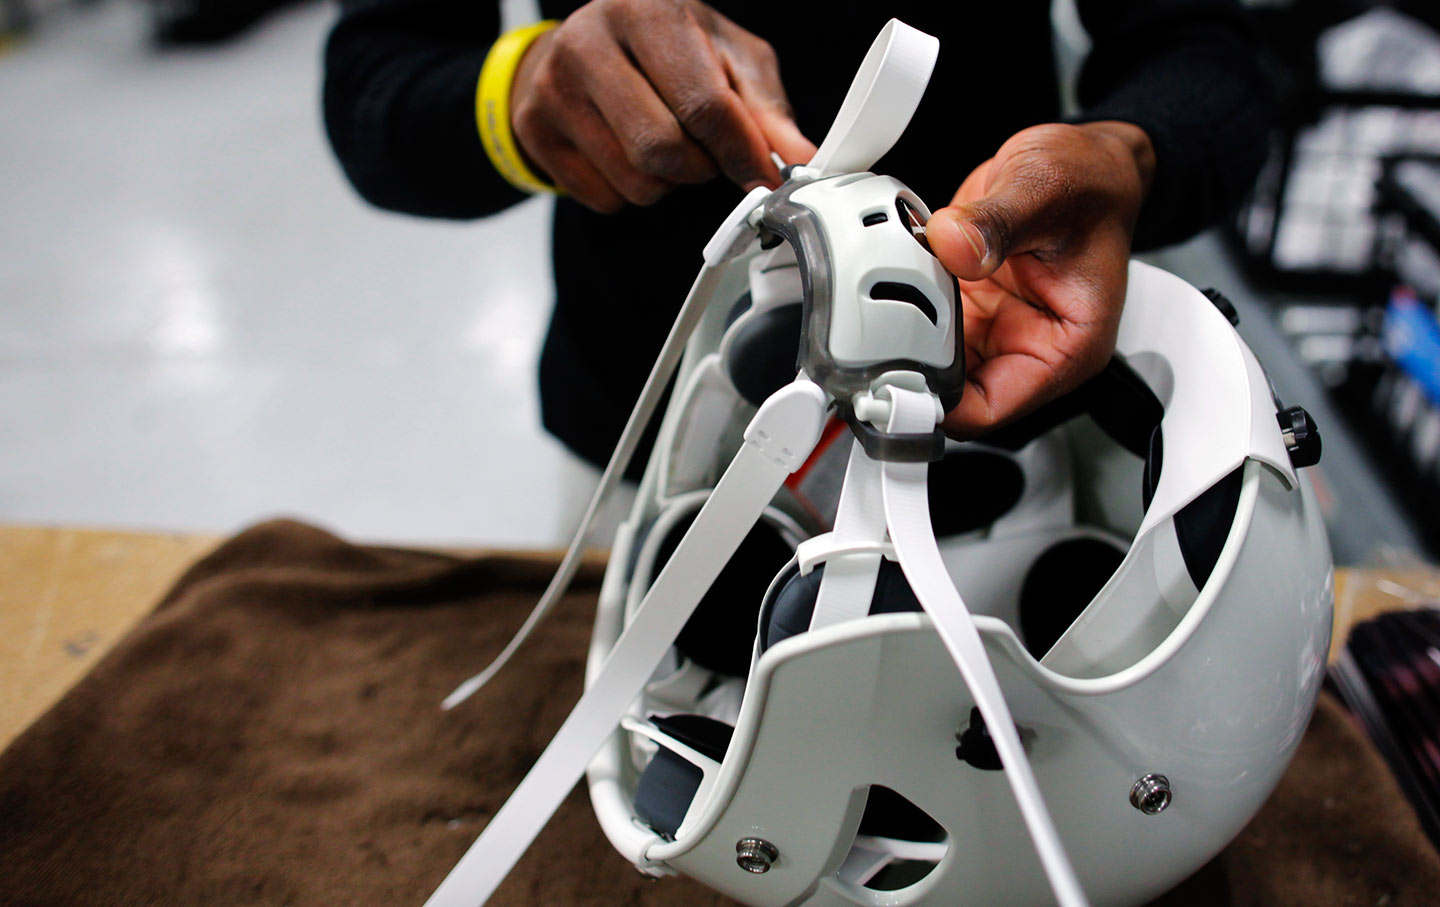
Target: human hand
[[1039, 238], [627, 99]]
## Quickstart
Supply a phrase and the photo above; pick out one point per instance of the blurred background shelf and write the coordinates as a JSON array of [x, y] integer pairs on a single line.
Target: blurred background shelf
[[1341, 238]]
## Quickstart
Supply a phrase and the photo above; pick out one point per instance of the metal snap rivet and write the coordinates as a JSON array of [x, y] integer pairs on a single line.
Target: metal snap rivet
[[1151, 794], [755, 854]]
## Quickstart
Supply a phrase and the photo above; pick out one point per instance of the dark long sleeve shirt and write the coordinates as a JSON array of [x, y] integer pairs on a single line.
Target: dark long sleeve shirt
[[400, 112]]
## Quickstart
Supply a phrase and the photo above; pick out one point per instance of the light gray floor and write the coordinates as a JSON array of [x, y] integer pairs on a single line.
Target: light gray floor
[[201, 325]]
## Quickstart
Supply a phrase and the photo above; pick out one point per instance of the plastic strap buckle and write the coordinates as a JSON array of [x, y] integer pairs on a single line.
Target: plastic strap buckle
[[893, 447]]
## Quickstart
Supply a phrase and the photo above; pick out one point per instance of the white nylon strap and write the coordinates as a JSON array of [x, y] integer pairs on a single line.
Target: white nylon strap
[[691, 310], [907, 512], [849, 581], [882, 98], [778, 440]]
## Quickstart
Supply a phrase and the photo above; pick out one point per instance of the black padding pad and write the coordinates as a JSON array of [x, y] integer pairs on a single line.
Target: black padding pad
[[668, 784], [665, 791], [794, 604], [741, 306], [1203, 525], [703, 734], [721, 632], [970, 489], [763, 353], [889, 815], [1059, 585], [1123, 406], [1117, 399]]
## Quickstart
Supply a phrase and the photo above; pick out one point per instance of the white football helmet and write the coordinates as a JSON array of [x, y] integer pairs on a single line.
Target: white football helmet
[[1152, 582], [839, 660]]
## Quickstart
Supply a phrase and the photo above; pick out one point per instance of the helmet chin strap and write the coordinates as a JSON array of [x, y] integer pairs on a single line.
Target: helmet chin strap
[[777, 442], [885, 509], [882, 495], [904, 488]]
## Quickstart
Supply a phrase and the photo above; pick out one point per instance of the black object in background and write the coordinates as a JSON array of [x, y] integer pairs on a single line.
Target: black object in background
[[179, 22], [1344, 221], [1357, 85], [1389, 676]]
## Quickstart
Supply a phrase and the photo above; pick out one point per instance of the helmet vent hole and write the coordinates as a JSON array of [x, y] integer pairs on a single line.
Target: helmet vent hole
[[897, 846], [913, 223], [907, 293]]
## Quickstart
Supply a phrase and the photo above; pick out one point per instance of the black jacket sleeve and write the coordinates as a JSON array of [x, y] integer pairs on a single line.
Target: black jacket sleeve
[[399, 99], [1188, 73]]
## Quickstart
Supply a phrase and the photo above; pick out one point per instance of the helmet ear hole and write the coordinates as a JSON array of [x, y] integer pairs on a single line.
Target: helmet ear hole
[[1124, 406], [1203, 525], [896, 846], [1059, 585], [890, 815], [745, 303]]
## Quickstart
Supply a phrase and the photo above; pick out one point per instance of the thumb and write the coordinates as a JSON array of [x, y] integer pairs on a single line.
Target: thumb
[[785, 137], [973, 239]]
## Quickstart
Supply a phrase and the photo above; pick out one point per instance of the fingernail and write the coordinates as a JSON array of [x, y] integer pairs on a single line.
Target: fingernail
[[976, 239]]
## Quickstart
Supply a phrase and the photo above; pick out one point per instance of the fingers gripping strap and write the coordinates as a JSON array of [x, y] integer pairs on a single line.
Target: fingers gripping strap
[[777, 442], [691, 311], [907, 513], [881, 100]]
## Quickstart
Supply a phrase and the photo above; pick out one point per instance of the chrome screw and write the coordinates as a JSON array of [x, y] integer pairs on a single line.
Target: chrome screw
[[1151, 794], [755, 854]]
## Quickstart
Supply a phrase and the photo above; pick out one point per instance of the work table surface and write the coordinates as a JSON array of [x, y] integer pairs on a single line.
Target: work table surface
[[68, 594]]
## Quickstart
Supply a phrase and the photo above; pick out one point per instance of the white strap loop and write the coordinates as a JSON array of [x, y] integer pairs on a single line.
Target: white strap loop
[[881, 100], [701, 294]]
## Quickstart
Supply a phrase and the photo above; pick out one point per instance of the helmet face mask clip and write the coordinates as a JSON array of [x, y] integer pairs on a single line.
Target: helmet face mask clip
[[839, 659]]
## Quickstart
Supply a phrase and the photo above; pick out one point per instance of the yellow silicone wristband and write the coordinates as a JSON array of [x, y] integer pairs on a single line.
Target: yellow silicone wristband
[[492, 106]]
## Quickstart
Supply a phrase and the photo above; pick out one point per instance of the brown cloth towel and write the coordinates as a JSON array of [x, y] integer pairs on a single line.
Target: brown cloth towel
[[272, 735]]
